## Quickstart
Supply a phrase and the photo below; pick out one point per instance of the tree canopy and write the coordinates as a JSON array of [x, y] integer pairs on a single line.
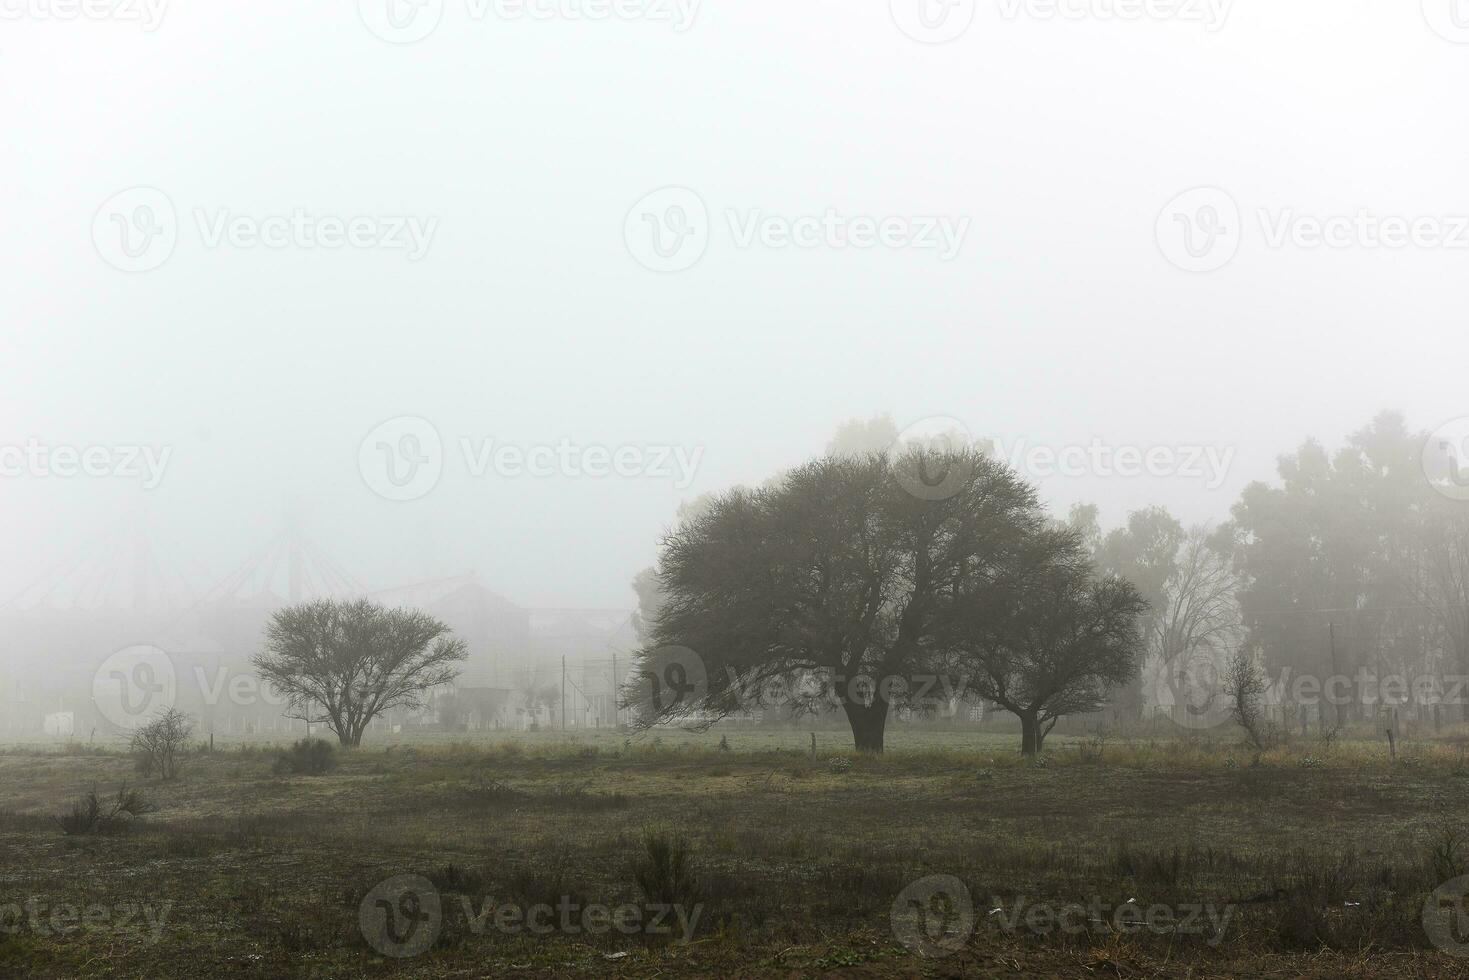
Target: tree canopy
[[345, 663]]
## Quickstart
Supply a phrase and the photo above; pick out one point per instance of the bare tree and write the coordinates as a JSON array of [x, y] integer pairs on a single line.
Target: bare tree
[[1244, 684], [157, 746], [345, 663], [1195, 617]]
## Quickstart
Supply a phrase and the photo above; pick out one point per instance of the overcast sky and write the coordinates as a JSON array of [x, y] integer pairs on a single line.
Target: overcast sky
[[461, 231]]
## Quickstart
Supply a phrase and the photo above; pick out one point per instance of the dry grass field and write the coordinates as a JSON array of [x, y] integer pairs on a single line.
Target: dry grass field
[[1162, 858]]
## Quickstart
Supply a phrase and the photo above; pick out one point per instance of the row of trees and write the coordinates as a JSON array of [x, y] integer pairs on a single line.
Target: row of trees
[[1353, 565], [1354, 562], [876, 572]]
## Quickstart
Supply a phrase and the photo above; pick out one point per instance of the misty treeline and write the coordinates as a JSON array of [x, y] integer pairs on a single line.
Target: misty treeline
[[836, 586]]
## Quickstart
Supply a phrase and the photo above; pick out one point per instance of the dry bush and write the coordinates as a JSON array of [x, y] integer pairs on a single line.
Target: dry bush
[[92, 814], [665, 870], [158, 746]]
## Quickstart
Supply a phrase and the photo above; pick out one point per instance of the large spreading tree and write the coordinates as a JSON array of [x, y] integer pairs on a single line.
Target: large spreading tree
[[863, 573], [345, 663]]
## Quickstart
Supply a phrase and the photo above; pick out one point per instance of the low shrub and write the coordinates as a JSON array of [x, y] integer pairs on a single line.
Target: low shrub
[[665, 870], [308, 757], [94, 814]]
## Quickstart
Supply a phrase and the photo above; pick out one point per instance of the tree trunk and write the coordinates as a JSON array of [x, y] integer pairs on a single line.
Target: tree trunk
[[868, 722], [1031, 735]]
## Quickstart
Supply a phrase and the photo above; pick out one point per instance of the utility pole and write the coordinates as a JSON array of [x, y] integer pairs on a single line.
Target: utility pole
[[1335, 670], [616, 701], [563, 692]]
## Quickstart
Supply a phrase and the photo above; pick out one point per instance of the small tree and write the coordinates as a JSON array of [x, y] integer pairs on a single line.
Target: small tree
[[1051, 638], [158, 745], [344, 663], [1244, 683]]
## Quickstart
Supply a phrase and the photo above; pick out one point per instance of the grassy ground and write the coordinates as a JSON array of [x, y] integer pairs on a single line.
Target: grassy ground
[[1310, 862]]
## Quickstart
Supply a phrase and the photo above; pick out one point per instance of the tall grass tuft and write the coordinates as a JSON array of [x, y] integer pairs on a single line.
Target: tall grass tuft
[[665, 870]]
